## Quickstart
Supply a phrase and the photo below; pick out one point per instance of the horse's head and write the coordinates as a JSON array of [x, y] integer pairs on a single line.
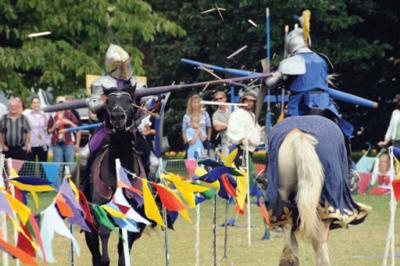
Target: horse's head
[[119, 106]]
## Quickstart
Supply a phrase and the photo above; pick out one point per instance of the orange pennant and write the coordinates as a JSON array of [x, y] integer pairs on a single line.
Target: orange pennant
[[264, 212], [64, 209], [170, 201], [24, 257]]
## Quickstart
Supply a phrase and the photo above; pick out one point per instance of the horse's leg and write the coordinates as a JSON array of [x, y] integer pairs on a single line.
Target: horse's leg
[[92, 241], [290, 248], [321, 246], [287, 184], [132, 237], [104, 236]]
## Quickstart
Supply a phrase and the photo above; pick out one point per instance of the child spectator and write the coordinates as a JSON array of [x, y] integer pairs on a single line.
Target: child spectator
[[195, 137]]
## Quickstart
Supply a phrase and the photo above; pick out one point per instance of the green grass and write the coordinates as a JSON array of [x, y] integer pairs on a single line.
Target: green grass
[[362, 240]]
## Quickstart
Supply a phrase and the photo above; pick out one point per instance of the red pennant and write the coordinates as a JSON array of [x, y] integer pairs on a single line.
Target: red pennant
[[20, 254], [85, 207], [122, 208], [228, 186], [17, 164], [239, 210], [396, 188], [264, 212], [169, 201], [24, 243], [38, 237]]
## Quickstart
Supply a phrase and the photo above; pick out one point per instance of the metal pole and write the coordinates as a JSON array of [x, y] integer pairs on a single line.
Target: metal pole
[[248, 196], [165, 218], [124, 231], [214, 245]]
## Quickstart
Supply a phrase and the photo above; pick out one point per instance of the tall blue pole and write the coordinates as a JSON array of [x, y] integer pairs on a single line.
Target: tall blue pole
[[268, 48]]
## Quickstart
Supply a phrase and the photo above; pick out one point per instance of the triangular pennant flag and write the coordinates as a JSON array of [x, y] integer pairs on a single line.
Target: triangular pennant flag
[[111, 211], [52, 223], [169, 199], [17, 164], [24, 241], [200, 171], [20, 254], [264, 212], [52, 171], [63, 207], [36, 232], [229, 187], [190, 167], [4, 205], [186, 189], [18, 207], [396, 188], [241, 190], [252, 171], [86, 209], [150, 207], [102, 217], [120, 200]]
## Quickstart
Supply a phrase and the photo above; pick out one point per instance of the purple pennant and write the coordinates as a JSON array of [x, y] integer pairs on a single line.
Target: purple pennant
[[78, 216], [4, 206], [214, 174], [67, 192]]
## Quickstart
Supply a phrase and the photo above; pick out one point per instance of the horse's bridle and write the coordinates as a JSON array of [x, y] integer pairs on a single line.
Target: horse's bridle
[[120, 109]]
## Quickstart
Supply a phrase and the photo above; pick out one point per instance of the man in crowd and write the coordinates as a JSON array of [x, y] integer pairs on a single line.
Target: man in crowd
[[220, 120], [242, 127], [14, 132]]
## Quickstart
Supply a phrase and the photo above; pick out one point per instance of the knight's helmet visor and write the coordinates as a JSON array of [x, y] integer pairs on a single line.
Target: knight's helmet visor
[[118, 63]]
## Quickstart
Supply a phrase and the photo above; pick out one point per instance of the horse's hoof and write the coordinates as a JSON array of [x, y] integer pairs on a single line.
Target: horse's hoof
[[293, 261]]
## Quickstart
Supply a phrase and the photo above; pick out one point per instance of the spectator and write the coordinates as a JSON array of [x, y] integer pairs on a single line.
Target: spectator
[[14, 132], [78, 134], [393, 131], [21, 105], [40, 139], [194, 108], [242, 127], [195, 137], [63, 143], [220, 121], [382, 175]]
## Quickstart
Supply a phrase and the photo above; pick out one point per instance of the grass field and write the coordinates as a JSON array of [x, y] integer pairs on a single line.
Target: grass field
[[359, 245]]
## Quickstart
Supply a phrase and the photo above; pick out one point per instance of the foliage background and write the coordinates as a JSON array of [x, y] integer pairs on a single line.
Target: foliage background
[[360, 37]]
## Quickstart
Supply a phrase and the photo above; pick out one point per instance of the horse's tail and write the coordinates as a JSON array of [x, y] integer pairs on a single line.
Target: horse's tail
[[310, 181]]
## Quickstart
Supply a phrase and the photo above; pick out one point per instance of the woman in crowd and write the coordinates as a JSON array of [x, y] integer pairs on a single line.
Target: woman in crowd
[[194, 108], [63, 143], [40, 139]]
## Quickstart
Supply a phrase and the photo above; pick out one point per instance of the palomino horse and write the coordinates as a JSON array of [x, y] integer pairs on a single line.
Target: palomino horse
[[308, 188], [119, 141]]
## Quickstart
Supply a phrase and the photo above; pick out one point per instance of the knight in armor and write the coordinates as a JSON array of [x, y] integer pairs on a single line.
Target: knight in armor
[[118, 76], [306, 74]]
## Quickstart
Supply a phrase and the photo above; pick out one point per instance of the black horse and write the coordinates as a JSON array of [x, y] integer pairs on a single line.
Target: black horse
[[120, 142]]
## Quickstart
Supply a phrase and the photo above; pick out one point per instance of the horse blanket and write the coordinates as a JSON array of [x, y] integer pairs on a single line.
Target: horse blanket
[[336, 201]]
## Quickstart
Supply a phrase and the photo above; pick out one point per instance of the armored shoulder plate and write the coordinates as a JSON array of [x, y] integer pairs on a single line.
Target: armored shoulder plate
[[294, 65], [331, 69], [105, 82]]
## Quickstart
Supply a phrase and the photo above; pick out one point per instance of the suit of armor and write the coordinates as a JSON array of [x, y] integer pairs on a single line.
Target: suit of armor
[[306, 75]]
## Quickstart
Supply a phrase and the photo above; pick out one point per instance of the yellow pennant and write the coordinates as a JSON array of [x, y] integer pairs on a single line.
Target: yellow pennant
[[185, 188], [32, 189], [200, 171], [241, 189], [185, 215], [113, 212], [18, 207], [150, 207], [228, 160], [74, 188]]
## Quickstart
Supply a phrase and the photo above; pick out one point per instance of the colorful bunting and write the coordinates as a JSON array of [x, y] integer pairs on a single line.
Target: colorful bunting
[[190, 167], [396, 188], [20, 254], [17, 165], [241, 190], [120, 200], [18, 207], [52, 223], [52, 171], [102, 217], [150, 207]]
